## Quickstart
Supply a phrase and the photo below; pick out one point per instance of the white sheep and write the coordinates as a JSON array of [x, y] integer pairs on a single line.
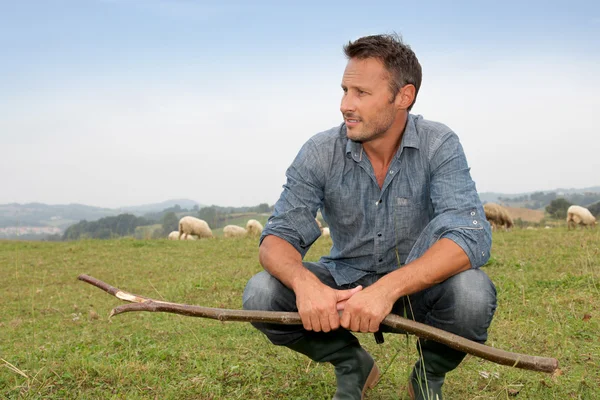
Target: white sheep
[[325, 232], [194, 226], [254, 227], [173, 235], [577, 215], [319, 224], [497, 216], [234, 231]]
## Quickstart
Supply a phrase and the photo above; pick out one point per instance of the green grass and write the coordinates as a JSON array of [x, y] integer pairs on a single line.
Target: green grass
[[52, 347]]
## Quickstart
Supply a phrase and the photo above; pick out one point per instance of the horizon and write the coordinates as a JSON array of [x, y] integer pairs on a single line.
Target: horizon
[[174, 200], [116, 103]]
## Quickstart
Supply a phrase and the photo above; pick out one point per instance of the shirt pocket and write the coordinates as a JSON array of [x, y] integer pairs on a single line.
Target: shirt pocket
[[345, 206]]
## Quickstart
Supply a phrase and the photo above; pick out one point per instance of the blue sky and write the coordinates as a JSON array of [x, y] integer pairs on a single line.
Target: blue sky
[[116, 102]]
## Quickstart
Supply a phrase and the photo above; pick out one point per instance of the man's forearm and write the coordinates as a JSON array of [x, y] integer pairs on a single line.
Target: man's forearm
[[284, 262], [441, 261]]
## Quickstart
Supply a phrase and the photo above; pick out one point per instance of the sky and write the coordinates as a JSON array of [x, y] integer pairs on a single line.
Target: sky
[[115, 103]]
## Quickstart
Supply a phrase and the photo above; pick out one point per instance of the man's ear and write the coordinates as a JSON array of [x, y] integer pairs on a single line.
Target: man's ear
[[405, 97]]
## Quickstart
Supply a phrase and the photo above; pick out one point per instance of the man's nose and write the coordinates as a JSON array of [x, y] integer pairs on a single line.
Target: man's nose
[[347, 104]]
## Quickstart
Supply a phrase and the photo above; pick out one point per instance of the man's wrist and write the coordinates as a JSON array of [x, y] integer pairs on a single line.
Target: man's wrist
[[303, 278]]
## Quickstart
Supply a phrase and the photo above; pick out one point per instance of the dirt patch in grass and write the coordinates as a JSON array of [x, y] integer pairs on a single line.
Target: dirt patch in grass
[[525, 214]]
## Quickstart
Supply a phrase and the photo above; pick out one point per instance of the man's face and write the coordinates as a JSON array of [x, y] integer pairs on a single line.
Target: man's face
[[367, 104]]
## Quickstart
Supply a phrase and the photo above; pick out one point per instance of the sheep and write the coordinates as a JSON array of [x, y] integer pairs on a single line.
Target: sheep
[[324, 230], [234, 231], [194, 226], [254, 227], [173, 235], [577, 215], [497, 216], [319, 224]]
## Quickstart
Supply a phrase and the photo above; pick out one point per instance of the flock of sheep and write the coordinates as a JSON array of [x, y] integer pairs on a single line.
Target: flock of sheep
[[191, 228], [498, 216]]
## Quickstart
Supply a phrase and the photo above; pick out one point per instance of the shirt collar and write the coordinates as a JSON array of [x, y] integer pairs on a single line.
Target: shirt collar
[[410, 138]]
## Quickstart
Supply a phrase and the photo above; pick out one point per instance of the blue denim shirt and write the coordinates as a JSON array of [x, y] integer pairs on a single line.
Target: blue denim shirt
[[428, 194]]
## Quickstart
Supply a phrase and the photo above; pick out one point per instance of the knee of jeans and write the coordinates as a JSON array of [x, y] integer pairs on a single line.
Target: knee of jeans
[[261, 292], [474, 302]]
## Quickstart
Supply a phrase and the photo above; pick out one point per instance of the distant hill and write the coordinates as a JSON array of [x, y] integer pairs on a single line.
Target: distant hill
[[540, 199], [39, 219], [156, 207], [592, 189], [39, 215]]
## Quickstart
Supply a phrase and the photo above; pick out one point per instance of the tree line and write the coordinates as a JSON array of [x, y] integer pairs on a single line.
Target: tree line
[[218, 217], [105, 228], [168, 219], [558, 208], [538, 200]]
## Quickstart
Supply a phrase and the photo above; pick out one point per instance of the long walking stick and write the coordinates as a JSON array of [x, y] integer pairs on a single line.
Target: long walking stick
[[140, 303]]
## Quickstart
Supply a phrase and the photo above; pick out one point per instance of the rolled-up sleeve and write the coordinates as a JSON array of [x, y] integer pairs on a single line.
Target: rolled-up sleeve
[[458, 213], [293, 218]]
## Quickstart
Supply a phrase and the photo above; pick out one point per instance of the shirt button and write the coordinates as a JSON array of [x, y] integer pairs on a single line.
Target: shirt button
[[379, 234], [391, 172], [474, 222], [472, 213]]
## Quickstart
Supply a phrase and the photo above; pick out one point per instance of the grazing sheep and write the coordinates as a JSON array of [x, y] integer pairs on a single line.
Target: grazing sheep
[[234, 231], [319, 224], [173, 235], [254, 227], [577, 215], [497, 216], [324, 230], [194, 226]]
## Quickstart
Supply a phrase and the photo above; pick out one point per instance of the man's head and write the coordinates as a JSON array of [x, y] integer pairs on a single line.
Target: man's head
[[398, 59], [380, 84]]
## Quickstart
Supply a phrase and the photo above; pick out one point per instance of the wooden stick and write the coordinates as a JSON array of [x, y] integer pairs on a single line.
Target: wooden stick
[[140, 303]]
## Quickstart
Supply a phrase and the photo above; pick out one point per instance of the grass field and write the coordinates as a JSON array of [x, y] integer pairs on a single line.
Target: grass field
[[56, 341]]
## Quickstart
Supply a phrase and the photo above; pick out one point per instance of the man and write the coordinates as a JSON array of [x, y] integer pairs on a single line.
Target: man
[[408, 229]]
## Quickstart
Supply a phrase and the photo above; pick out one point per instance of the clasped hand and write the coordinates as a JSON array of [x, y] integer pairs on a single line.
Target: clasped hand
[[362, 309]]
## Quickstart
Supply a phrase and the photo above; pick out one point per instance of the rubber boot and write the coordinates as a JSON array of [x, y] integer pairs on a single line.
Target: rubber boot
[[427, 377], [355, 369]]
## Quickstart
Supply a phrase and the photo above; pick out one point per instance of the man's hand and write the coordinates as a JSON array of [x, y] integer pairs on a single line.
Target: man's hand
[[364, 311], [318, 305]]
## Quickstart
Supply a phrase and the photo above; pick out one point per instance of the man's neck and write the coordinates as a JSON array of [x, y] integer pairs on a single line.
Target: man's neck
[[381, 151]]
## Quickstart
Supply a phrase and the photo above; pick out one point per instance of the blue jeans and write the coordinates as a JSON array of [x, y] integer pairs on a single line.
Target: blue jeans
[[463, 304]]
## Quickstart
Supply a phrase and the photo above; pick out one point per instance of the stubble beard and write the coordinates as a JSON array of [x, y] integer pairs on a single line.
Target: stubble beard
[[372, 130]]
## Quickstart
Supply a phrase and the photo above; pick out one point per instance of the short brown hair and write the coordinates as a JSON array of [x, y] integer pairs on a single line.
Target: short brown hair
[[397, 57]]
